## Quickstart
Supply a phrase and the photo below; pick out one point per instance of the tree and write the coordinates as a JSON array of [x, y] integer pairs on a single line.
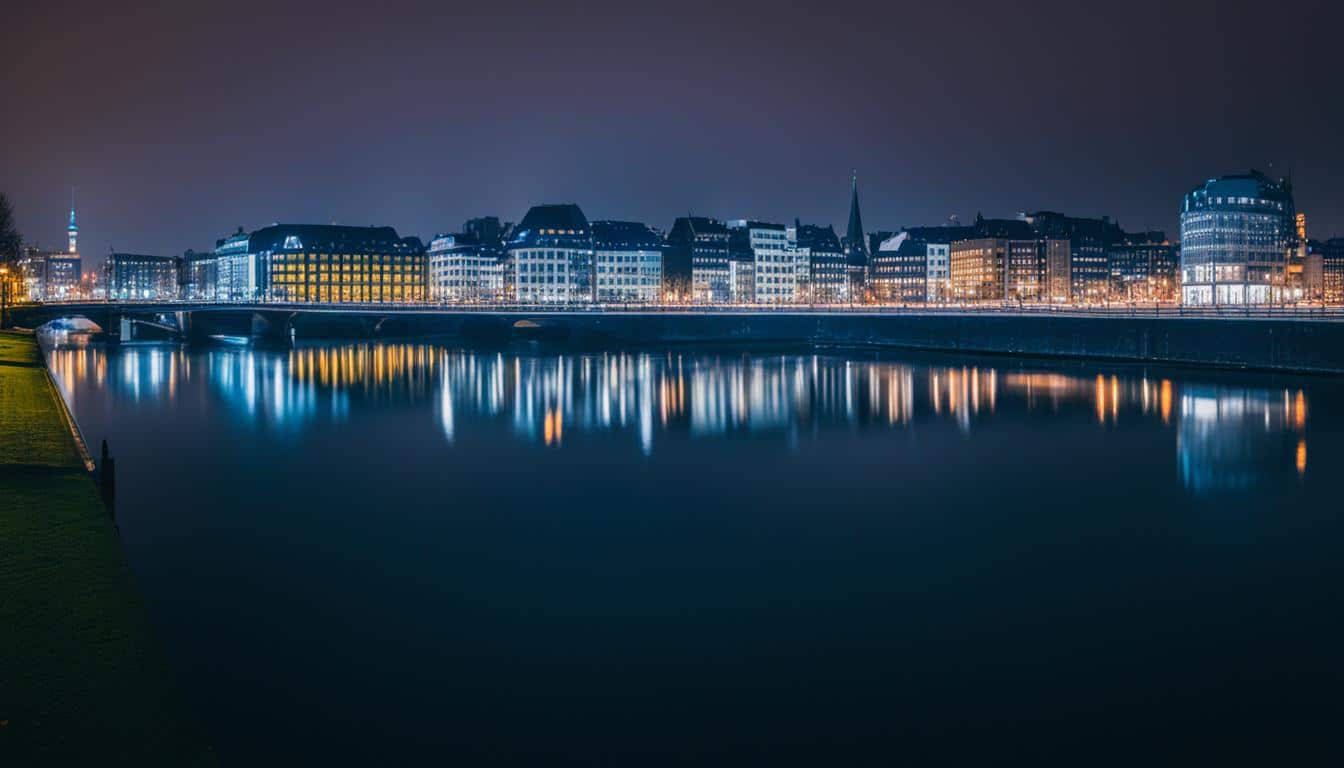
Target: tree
[[9, 234]]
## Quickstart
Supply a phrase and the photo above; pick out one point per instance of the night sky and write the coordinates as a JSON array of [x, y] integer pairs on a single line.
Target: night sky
[[178, 123]]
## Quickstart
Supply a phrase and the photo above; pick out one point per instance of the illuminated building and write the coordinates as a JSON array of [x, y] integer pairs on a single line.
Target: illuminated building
[[551, 256], [695, 263], [1236, 234], [336, 264], [1086, 274], [627, 261], [461, 268], [822, 267], [1144, 267], [1004, 261], [913, 265], [200, 275], [1332, 270], [72, 231], [236, 273], [138, 277], [774, 268]]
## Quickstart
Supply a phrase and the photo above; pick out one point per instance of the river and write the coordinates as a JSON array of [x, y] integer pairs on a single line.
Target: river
[[389, 553]]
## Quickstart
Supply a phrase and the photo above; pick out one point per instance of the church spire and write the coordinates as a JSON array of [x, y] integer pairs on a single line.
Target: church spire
[[856, 245]]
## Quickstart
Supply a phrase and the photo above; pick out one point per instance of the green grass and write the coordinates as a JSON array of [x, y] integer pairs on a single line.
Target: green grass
[[82, 681]]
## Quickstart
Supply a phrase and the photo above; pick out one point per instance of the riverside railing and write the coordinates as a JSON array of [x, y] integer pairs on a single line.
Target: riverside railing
[[1282, 312]]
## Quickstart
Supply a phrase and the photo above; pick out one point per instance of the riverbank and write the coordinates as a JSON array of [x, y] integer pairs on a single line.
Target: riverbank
[[82, 680]]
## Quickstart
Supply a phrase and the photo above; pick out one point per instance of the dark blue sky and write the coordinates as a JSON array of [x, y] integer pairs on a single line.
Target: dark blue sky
[[178, 123]]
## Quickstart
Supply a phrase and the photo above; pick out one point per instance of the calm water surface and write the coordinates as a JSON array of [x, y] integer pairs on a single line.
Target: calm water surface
[[407, 553]]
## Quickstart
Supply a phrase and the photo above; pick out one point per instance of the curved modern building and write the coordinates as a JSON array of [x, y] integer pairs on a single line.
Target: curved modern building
[[1236, 234]]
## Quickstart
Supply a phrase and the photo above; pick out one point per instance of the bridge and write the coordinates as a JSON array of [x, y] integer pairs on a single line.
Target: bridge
[[1272, 338]]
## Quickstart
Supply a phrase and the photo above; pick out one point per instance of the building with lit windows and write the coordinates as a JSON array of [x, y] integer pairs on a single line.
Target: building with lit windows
[[696, 261], [236, 268], [822, 274], [138, 277], [551, 256], [627, 261], [913, 265], [1332, 271], [1005, 261], [774, 268], [1144, 267], [1236, 235], [461, 268], [1086, 275], [199, 280], [333, 264]]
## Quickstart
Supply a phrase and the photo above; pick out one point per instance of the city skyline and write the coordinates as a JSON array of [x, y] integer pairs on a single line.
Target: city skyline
[[441, 116]]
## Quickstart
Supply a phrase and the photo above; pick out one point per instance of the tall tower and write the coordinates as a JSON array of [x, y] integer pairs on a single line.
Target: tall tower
[[72, 231], [856, 245]]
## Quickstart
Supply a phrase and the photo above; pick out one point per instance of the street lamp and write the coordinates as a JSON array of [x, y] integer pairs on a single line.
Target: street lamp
[[4, 294]]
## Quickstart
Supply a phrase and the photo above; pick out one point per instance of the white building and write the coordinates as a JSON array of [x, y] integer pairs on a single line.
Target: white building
[[235, 269], [628, 261], [461, 270], [551, 253], [774, 264]]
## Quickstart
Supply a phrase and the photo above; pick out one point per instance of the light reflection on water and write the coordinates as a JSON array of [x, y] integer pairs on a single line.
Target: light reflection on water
[[1227, 437]]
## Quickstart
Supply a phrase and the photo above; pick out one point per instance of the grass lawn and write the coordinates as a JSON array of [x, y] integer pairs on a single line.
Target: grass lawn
[[82, 681]]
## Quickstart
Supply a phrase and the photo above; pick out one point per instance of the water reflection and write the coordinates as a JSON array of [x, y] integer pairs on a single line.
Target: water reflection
[[1225, 437]]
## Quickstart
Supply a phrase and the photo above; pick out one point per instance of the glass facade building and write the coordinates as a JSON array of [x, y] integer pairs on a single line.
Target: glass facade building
[[1236, 234], [137, 277], [336, 264]]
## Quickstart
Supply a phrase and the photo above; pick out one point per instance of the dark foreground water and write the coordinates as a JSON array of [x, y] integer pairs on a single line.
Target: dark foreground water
[[415, 553]]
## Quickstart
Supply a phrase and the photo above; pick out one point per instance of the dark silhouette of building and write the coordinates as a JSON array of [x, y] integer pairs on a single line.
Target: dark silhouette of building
[[855, 244]]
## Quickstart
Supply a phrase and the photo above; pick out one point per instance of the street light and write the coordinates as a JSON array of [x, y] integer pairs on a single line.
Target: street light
[[4, 294]]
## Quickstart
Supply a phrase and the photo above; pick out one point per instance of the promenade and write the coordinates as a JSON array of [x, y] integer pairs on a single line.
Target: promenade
[[82, 679]]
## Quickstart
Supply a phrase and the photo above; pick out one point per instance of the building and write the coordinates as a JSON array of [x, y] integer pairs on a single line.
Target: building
[[1090, 240], [1144, 267], [138, 277], [913, 265], [855, 244], [1004, 260], [236, 268], [1332, 271], [327, 263], [696, 261], [627, 261], [773, 266], [1236, 235], [461, 268], [822, 274], [199, 279], [551, 256]]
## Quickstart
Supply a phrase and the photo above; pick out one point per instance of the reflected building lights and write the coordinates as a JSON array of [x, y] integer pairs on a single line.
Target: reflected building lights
[[1226, 437]]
